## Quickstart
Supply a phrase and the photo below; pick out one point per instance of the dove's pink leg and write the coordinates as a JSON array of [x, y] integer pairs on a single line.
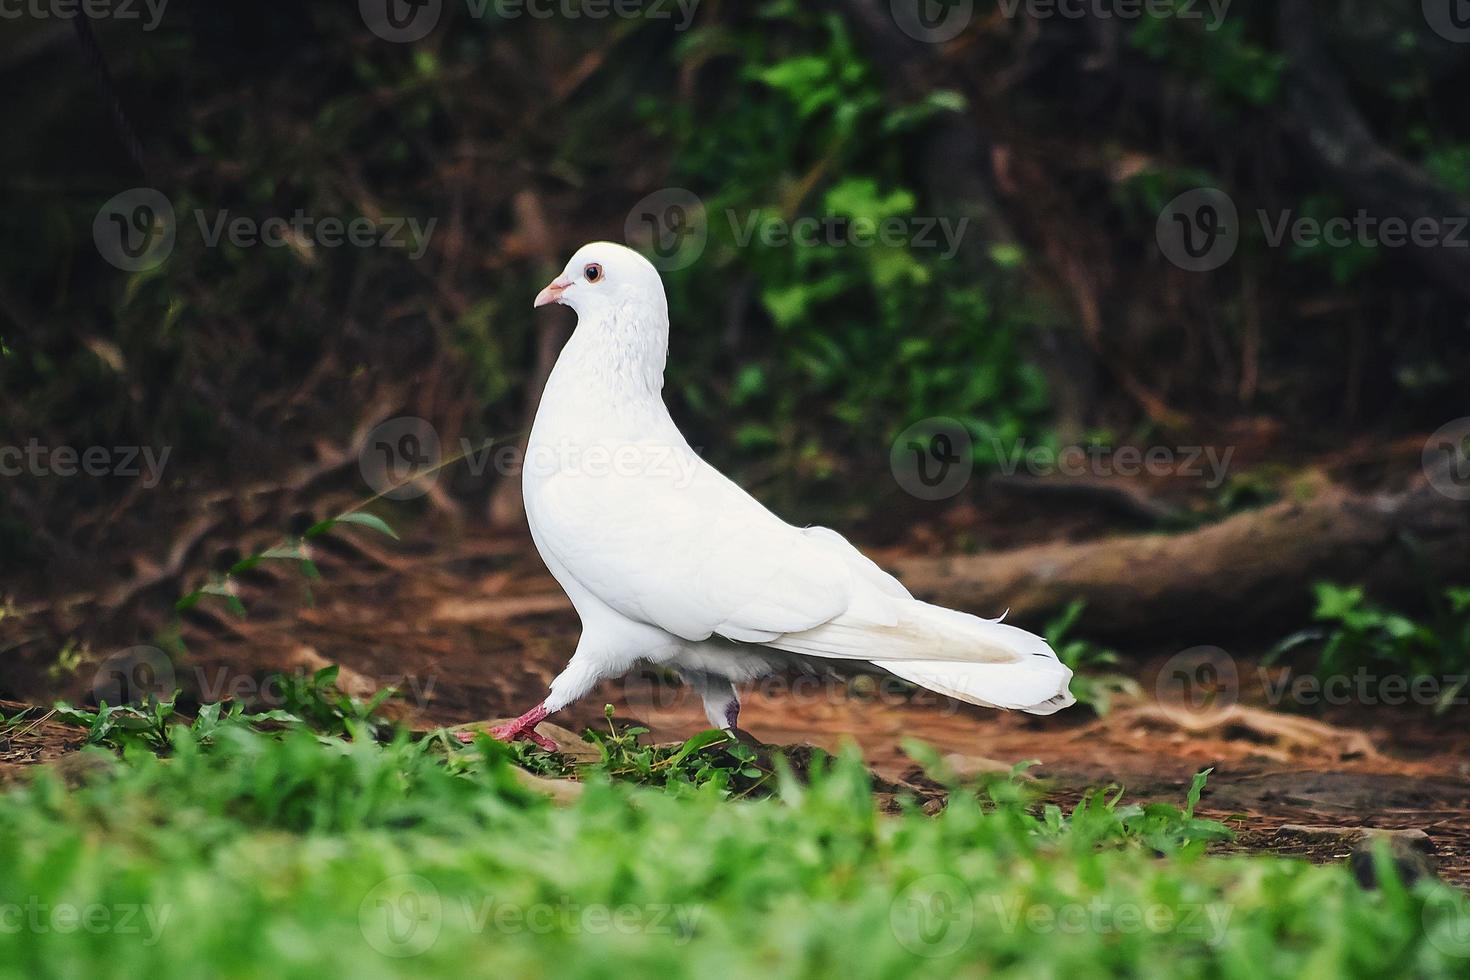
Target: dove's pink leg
[[523, 727]]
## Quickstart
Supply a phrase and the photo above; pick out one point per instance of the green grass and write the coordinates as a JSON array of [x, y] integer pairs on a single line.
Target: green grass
[[236, 852]]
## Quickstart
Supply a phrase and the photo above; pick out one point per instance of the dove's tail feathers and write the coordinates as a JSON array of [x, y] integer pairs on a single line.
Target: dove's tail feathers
[[976, 660], [1037, 689]]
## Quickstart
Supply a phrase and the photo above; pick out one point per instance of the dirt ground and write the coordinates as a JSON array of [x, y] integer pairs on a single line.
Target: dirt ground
[[476, 629]]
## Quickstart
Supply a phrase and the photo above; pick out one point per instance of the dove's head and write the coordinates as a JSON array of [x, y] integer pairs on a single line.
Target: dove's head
[[602, 277]]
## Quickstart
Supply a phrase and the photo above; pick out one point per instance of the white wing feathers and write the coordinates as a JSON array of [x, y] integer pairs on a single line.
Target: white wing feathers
[[704, 559]]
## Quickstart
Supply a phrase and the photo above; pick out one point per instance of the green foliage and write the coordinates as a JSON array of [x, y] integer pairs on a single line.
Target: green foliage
[[1099, 819], [306, 701], [1091, 684], [1362, 635], [846, 339], [1449, 164], [710, 759], [1346, 261], [1221, 55], [297, 855]]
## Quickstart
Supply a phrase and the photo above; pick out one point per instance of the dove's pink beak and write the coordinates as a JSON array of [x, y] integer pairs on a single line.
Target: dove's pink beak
[[552, 292]]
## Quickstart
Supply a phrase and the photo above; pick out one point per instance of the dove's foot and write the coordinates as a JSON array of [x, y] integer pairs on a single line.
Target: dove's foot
[[523, 727]]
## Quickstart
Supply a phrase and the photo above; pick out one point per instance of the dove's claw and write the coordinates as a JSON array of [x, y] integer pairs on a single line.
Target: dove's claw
[[515, 730], [509, 733], [523, 727]]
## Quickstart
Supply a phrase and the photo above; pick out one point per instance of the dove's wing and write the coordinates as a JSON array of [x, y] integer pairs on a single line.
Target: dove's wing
[[683, 548]]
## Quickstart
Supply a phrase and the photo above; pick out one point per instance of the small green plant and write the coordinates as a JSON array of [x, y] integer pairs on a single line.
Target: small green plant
[[711, 759], [1162, 827], [1358, 634], [1091, 685], [310, 701], [150, 725], [71, 656], [317, 701]]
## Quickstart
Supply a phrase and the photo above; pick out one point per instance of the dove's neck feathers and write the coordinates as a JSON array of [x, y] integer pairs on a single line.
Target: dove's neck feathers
[[614, 361]]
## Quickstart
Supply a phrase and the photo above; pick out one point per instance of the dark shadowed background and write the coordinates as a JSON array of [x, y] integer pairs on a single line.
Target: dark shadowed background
[[1153, 308]]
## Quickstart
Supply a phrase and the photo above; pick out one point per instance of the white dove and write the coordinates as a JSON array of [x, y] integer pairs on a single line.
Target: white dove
[[668, 562]]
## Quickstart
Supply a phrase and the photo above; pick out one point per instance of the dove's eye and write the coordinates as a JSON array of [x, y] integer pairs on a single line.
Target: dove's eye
[[592, 273]]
